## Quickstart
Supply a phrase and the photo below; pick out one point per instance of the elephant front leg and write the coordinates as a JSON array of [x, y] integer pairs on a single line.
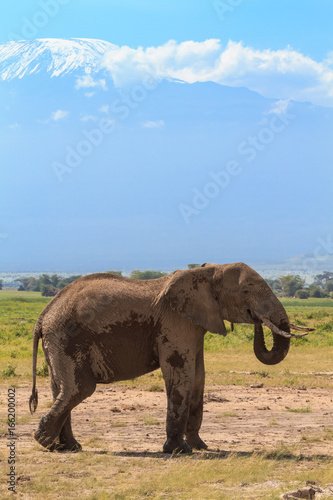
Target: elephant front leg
[[177, 416], [196, 407], [179, 385]]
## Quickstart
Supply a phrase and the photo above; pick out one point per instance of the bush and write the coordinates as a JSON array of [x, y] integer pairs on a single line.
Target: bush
[[302, 294], [44, 370], [317, 292], [48, 290], [9, 371]]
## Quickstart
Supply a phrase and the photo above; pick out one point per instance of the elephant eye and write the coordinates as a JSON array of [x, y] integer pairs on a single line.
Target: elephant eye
[[246, 292]]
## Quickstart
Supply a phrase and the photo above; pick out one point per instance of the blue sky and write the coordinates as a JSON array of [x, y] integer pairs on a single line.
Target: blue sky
[[281, 49], [306, 25]]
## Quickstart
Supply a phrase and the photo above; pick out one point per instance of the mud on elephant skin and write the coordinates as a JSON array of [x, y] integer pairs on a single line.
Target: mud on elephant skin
[[104, 328]]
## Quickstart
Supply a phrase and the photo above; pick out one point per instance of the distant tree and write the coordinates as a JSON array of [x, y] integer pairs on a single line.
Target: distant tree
[[146, 275], [45, 279], [329, 286], [55, 279], [45, 283], [275, 285], [119, 273], [48, 290], [29, 284], [66, 281], [302, 294], [321, 279], [192, 266], [316, 291], [1, 283], [290, 284]]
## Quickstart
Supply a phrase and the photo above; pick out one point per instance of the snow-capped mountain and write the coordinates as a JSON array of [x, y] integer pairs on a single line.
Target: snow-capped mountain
[[57, 57]]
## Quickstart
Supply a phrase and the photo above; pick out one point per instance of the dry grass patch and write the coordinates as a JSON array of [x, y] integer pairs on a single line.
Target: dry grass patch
[[196, 477], [326, 435], [150, 421]]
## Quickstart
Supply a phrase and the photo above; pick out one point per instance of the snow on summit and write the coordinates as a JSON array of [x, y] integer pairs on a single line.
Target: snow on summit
[[56, 56]]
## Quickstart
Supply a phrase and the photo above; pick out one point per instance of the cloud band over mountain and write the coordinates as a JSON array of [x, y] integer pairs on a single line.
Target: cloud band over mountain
[[284, 73]]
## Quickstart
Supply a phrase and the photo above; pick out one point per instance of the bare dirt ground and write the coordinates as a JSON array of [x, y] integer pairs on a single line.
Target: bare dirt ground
[[236, 418]]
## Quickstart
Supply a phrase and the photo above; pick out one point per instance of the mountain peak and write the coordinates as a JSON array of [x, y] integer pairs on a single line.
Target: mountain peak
[[56, 56]]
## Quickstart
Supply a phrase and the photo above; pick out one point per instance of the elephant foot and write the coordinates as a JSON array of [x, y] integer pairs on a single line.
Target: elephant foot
[[196, 442], [42, 436], [174, 445], [73, 447], [55, 443], [46, 441]]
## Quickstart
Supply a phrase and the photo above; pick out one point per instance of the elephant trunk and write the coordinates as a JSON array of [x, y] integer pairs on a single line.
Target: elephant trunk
[[280, 345]]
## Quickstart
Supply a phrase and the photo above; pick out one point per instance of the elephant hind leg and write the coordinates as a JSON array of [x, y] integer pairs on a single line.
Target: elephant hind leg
[[54, 431], [67, 440]]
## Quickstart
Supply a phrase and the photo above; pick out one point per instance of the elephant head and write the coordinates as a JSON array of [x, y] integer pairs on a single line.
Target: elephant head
[[212, 293]]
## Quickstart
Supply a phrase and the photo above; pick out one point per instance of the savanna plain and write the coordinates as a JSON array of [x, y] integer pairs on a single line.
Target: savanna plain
[[269, 429]]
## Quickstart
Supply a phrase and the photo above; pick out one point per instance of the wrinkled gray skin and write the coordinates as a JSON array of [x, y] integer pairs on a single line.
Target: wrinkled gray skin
[[104, 328]]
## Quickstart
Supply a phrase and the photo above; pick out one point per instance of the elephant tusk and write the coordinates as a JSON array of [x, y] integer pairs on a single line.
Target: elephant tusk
[[301, 328], [277, 330]]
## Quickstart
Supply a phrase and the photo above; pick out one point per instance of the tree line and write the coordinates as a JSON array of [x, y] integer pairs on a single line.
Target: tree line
[[50, 285], [290, 285]]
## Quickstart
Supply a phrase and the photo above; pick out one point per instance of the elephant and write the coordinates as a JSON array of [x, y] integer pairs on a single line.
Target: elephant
[[104, 328]]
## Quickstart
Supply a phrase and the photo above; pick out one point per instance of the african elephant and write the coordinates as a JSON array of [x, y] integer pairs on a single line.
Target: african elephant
[[104, 328]]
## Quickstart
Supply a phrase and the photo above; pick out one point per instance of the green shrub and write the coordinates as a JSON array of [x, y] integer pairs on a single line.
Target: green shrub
[[302, 294], [9, 371], [44, 370]]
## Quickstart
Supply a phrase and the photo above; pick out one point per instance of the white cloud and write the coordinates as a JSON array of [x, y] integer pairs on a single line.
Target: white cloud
[[282, 74], [60, 114], [14, 126], [89, 94], [279, 107], [88, 118], [128, 65], [153, 124], [87, 81], [104, 109], [57, 115]]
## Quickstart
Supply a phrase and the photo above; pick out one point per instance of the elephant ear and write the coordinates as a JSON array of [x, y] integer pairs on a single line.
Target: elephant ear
[[189, 293]]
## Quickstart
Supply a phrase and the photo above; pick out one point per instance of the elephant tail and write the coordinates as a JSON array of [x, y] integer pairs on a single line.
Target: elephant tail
[[33, 400]]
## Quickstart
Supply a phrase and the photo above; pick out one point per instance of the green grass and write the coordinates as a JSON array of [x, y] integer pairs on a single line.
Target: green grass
[[156, 388], [151, 421], [299, 410], [312, 302]]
